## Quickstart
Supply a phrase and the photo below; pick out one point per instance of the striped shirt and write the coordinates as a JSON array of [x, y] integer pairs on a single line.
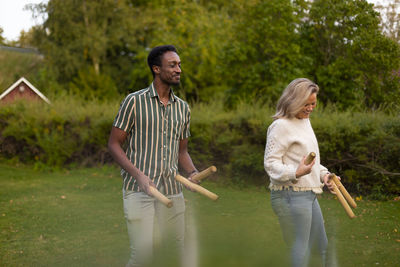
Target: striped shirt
[[154, 133]]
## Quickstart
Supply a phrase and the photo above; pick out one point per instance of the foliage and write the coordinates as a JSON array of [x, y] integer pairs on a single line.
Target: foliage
[[15, 65], [66, 132], [352, 60], [264, 53], [79, 34], [2, 39], [200, 39], [237, 55], [25, 39], [244, 50], [362, 147], [83, 85], [233, 140], [390, 19]]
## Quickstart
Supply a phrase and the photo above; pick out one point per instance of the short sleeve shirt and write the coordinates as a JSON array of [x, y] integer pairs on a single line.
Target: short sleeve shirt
[[154, 133]]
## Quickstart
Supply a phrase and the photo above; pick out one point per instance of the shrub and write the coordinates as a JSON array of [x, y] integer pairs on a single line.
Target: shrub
[[66, 132], [363, 147]]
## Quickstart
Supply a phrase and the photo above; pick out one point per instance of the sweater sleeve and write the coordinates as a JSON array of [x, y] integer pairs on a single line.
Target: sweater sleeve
[[276, 147], [323, 171]]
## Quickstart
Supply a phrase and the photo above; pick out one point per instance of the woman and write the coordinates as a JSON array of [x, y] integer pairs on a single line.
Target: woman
[[294, 185]]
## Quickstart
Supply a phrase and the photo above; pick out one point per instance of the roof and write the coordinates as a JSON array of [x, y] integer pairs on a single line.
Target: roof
[[22, 79], [20, 50]]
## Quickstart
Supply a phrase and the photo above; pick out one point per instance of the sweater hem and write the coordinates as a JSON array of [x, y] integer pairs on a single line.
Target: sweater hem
[[274, 187]]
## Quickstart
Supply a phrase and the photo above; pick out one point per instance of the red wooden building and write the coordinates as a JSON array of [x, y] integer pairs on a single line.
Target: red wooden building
[[22, 89]]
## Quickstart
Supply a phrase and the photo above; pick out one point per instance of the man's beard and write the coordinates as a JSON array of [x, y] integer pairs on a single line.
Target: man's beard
[[174, 83], [171, 82]]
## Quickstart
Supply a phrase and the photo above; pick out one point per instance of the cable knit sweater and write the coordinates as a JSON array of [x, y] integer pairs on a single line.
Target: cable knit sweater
[[288, 141]]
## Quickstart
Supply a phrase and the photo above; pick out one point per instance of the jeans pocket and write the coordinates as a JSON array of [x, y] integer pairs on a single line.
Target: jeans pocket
[[280, 203], [134, 205]]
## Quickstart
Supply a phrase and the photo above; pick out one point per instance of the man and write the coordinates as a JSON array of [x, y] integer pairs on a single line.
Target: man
[[155, 123]]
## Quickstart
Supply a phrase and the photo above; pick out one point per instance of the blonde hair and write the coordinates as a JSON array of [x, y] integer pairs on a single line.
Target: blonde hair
[[294, 97]]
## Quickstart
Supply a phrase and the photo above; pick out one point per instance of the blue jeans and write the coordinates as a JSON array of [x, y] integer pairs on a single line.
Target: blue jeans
[[302, 224]]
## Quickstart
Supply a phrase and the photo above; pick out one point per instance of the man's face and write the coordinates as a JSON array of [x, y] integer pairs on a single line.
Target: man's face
[[170, 70]]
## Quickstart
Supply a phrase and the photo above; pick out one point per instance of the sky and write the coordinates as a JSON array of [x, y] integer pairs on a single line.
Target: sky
[[14, 19]]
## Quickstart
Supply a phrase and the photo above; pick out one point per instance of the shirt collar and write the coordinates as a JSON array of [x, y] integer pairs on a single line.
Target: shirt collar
[[153, 93]]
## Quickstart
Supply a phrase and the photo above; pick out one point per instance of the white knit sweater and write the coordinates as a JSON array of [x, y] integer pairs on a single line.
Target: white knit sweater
[[288, 141]]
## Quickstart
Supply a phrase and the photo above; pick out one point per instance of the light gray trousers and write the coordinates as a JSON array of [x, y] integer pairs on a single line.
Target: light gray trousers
[[142, 213], [302, 224]]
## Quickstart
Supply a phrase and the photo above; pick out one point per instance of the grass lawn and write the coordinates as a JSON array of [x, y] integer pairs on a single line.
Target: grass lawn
[[75, 218]]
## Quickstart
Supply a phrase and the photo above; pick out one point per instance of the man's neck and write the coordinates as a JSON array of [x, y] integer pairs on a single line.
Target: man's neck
[[163, 90]]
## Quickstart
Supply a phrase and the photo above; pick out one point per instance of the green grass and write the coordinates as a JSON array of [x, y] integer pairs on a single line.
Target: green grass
[[75, 218]]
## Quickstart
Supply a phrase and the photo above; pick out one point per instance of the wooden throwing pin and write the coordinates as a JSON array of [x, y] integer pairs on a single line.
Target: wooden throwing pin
[[307, 161], [344, 192], [340, 197], [160, 197], [203, 174], [196, 187]]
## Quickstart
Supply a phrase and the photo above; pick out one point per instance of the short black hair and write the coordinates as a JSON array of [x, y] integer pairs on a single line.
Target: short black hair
[[154, 57]]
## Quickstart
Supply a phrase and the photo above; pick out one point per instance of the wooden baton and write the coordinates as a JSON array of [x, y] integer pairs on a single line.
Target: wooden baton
[[310, 158], [341, 199], [196, 187], [160, 197], [203, 174], [342, 189], [307, 161]]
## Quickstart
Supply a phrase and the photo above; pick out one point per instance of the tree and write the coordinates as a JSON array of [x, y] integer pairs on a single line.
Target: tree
[[200, 32], [240, 50], [26, 39], [352, 61], [78, 35], [263, 54], [2, 39], [390, 18]]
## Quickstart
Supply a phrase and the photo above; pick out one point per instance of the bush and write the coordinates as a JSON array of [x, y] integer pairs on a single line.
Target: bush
[[363, 148], [233, 140], [53, 136]]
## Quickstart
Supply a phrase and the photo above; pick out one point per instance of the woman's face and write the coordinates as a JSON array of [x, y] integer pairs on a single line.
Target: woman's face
[[308, 107]]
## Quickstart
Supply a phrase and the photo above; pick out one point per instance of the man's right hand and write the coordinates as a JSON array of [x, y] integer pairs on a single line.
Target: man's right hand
[[117, 138], [144, 183]]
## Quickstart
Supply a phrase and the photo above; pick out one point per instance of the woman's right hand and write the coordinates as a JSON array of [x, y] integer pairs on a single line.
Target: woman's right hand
[[329, 183], [304, 169]]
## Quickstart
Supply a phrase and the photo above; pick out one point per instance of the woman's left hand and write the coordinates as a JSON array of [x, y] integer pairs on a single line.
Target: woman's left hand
[[329, 183]]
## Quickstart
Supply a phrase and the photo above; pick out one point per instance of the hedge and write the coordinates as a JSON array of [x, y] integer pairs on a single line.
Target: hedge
[[362, 147]]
